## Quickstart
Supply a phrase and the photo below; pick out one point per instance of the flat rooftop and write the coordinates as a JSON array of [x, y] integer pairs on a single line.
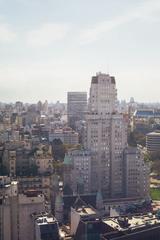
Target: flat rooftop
[[154, 134], [45, 220], [133, 223], [85, 211]]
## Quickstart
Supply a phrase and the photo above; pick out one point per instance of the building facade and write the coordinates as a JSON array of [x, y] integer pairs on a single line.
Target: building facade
[[153, 142], [106, 136], [46, 228], [136, 173], [76, 107], [66, 135], [16, 210], [81, 171]]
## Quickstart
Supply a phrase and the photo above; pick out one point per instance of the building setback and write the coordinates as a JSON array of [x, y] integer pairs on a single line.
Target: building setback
[[106, 136], [106, 164]]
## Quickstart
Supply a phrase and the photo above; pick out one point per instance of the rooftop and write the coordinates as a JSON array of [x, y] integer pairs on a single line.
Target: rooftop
[[144, 113], [154, 134], [132, 223], [95, 78], [45, 220], [85, 211]]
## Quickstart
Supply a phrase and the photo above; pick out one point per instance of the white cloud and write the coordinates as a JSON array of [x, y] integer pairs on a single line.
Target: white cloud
[[94, 33], [144, 12], [47, 34], [6, 34], [147, 11]]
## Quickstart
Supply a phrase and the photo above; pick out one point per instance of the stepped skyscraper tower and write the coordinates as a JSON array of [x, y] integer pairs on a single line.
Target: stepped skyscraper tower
[[106, 136]]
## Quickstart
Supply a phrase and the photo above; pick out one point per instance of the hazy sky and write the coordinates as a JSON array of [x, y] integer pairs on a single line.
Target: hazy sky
[[49, 47]]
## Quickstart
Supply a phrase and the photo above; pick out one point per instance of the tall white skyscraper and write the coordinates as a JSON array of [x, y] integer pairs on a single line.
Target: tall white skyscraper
[[103, 95], [106, 136]]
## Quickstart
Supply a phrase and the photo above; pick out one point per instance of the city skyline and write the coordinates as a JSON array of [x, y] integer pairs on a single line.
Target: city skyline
[[48, 49]]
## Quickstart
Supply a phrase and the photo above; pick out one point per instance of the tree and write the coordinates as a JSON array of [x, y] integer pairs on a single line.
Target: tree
[[59, 150], [135, 138], [155, 159], [147, 157]]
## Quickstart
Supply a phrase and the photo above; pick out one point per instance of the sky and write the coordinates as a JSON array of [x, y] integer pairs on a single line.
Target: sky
[[49, 47]]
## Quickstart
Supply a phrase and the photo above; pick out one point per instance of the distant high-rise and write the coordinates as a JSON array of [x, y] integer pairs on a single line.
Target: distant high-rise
[[76, 107], [153, 142], [106, 136]]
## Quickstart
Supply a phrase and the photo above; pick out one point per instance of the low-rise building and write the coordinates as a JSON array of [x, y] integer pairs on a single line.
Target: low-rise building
[[16, 210], [81, 171], [46, 227], [43, 159], [85, 224], [81, 211], [39, 183], [153, 141], [66, 135], [136, 174], [144, 227], [145, 120]]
